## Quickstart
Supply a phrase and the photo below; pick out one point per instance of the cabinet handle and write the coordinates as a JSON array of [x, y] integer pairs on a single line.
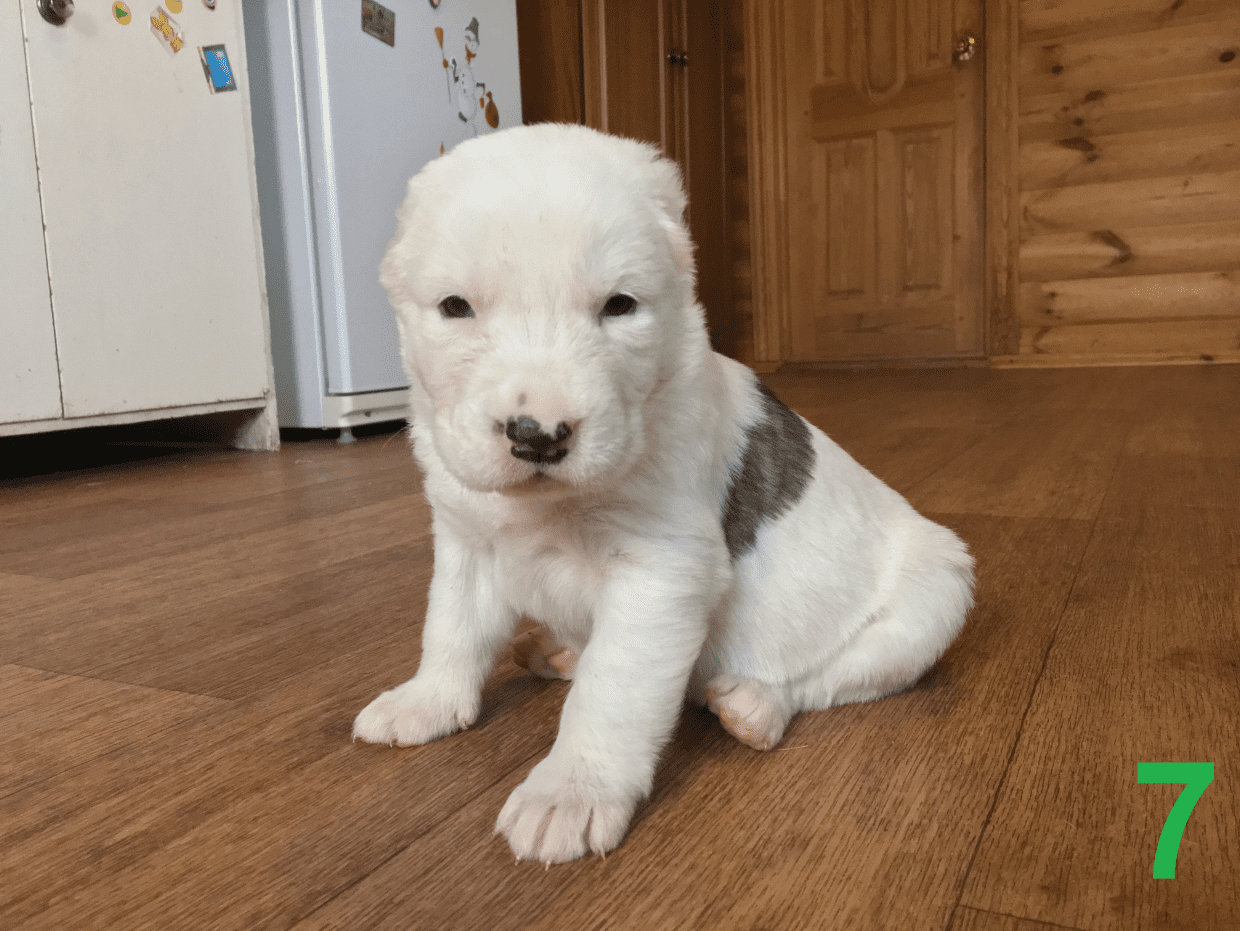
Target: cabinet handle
[[56, 12], [677, 57]]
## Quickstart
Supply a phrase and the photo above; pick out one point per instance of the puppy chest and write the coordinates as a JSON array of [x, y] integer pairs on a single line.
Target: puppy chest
[[555, 581]]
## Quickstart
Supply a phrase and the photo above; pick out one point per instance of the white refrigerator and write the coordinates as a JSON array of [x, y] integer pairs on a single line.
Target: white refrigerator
[[350, 98]]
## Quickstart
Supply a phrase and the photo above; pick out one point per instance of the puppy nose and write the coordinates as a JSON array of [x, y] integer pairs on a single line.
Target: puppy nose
[[532, 443]]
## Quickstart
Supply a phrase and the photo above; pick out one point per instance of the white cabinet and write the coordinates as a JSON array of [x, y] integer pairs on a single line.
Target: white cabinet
[[132, 284], [29, 382]]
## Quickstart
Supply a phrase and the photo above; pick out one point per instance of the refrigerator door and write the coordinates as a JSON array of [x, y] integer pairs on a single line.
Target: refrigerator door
[[388, 88]]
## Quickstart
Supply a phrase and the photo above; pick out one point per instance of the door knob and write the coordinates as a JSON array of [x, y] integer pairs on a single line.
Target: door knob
[[56, 12], [964, 49]]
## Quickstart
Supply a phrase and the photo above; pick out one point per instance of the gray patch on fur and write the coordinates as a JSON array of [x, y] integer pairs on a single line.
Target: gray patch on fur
[[775, 469]]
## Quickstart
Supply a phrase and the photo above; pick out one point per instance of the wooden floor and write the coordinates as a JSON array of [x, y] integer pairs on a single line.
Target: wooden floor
[[185, 638]]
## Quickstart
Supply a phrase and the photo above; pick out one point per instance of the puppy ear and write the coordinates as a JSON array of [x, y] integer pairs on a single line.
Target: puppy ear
[[393, 269], [391, 272], [669, 193]]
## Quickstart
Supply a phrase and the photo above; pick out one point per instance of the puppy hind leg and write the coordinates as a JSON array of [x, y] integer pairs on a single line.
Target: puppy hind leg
[[883, 660], [537, 651], [753, 712], [900, 644]]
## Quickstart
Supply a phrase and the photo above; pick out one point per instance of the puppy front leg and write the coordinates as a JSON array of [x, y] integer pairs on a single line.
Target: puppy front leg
[[627, 693], [466, 626]]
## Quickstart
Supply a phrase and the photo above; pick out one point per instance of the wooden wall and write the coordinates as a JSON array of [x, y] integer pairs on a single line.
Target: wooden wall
[[737, 155], [1129, 174]]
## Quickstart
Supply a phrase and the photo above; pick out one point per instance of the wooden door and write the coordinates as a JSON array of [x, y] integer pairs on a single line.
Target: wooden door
[[866, 164], [653, 70]]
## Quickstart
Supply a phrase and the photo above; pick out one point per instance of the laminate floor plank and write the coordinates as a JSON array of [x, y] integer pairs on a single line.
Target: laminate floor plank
[[1194, 434], [1190, 411], [927, 395], [1039, 464], [268, 796], [208, 476], [944, 408], [970, 919], [52, 722], [239, 644], [1124, 390], [1173, 485], [835, 827], [271, 857], [12, 582], [126, 529], [901, 455], [1188, 391], [902, 426], [48, 620], [1146, 667]]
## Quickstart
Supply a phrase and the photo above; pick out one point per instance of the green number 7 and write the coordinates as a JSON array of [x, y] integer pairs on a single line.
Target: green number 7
[[1195, 777]]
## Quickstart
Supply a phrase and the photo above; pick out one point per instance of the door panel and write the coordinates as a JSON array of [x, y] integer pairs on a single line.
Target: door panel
[[633, 88], [627, 86], [883, 180], [29, 381], [151, 232]]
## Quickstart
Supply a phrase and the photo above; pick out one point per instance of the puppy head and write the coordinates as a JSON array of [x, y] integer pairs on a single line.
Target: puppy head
[[543, 284]]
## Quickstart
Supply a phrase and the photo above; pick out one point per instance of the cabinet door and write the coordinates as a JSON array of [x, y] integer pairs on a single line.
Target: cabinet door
[[151, 227], [29, 384], [653, 70], [628, 90]]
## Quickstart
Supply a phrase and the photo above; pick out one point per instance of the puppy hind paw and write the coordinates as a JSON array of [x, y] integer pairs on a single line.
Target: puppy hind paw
[[538, 652], [747, 711]]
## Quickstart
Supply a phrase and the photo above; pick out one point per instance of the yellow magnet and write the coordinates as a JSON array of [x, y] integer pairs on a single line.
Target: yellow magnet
[[121, 13], [167, 30], [174, 6]]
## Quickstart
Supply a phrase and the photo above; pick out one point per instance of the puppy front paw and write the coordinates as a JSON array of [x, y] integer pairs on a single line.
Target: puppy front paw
[[552, 819], [412, 714]]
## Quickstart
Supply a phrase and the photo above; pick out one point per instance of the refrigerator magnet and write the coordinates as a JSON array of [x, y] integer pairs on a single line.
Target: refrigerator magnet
[[167, 30], [216, 67], [121, 13], [379, 21]]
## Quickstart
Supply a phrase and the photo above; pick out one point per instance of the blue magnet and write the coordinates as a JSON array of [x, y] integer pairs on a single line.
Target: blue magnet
[[216, 67]]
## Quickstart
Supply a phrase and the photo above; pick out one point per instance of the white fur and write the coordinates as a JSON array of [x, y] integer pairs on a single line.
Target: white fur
[[619, 549]]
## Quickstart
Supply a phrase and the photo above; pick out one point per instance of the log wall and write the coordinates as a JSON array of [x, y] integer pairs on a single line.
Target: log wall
[[1129, 180], [736, 134]]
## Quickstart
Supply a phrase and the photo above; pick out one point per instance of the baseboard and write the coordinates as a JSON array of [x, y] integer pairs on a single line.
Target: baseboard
[[1043, 360]]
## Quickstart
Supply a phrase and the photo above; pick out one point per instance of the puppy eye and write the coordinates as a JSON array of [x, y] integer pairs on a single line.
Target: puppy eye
[[455, 307], [618, 305]]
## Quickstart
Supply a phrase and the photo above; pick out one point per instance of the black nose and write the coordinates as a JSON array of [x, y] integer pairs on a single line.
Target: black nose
[[533, 444]]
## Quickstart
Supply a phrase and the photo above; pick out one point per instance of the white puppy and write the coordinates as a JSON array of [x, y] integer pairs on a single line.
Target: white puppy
[[593, 464]]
